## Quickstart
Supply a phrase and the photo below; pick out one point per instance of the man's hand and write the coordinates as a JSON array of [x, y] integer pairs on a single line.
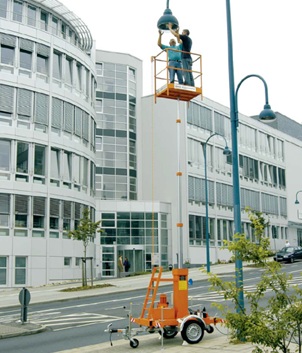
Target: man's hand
[[160, 32]]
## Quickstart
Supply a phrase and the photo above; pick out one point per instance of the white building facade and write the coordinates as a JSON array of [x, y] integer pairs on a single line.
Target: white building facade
[[47, 139], [268, 174]]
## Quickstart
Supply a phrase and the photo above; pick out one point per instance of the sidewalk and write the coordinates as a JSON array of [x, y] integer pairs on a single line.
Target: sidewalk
[[150, 343]]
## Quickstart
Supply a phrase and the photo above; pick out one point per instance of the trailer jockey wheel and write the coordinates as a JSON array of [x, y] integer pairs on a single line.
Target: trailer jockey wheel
[[192, 331], [134, 343]]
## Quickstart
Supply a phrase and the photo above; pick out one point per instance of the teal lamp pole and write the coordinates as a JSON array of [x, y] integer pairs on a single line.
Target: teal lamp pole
[[297, 201], [226, 152], [266, 115]]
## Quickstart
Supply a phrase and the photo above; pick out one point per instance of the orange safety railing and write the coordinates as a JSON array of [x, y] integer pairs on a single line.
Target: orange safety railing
[[162, 86]]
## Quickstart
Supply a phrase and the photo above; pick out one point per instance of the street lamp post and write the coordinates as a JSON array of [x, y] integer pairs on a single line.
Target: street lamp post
[[297, 201], [267, 115], [226, 152]]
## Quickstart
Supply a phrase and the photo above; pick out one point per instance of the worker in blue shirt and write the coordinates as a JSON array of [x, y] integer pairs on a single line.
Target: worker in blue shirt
[[174, 58]]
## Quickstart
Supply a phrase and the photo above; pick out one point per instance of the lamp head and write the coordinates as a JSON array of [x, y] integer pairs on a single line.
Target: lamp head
[[165, 19], [227, 151], [297, 202], [267, 115]]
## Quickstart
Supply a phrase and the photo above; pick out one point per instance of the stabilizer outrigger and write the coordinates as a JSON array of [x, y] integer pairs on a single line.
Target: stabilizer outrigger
[[159, 316]]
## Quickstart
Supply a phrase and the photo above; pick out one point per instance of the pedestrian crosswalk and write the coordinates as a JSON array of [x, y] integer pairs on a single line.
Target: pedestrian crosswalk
[[58, 322], [214, 296]]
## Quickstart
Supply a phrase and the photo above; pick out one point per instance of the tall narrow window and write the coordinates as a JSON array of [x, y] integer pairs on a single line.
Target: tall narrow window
[[67, 215], [3, 270], [55, 25], [21, 211], [43, 53], [68, 70], [3, 8], [67, 164], [79, 76], [4, 156], [38, 216], [20, 270], [44, 20], [17, 11], [57, 65], [39, 164], [22, 161], [4, 213], [54, 215], [25, 59], [31, 15], [55, 167]]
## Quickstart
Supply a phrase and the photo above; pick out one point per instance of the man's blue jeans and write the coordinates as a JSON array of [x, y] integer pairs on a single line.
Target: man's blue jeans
[[172, 71], [188, 76]]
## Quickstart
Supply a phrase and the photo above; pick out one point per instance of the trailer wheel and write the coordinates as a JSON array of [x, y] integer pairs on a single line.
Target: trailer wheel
[[169, 333], [192, 331], [134, 343]]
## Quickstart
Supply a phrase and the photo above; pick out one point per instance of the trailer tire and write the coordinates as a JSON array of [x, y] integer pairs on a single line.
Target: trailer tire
[[134, 343], [192, 331]]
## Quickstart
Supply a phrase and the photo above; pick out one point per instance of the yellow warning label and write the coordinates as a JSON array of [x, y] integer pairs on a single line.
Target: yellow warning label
[[182, 285]]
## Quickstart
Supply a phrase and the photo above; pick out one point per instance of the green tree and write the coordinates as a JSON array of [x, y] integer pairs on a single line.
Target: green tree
[[85, 232], [268, 324]]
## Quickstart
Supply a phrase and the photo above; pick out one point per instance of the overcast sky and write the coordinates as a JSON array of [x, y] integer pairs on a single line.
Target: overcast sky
[[266, 41]]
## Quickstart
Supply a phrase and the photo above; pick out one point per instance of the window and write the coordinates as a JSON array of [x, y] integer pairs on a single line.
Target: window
[[21, 211], [3, 8], [7, 55], [131, 74], [4, 212], [57, 65], [67, 261], [7, 94], [68, 70], [38, 215], [57, 113], [42, 64], [25, 59], [22, 161], [68, 117], [67, 215], [4, 155], [63, 30], [17, 11], [54, 214], [31, 15], [41, 109], [67, 164], [39, 163], [79, 76], [85, 171], [76, 169], [55, 166], [44, 20], [3, 270], [55, 25], [20, 270]]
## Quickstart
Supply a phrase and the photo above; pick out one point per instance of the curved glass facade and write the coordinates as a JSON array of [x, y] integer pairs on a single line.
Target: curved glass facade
[[47, 141]]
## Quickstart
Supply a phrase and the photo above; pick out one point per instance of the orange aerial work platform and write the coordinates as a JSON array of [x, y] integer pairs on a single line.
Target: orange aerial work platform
[[162, 86]]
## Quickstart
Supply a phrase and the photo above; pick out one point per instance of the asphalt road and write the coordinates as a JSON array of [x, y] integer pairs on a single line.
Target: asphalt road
[[81, 322]]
